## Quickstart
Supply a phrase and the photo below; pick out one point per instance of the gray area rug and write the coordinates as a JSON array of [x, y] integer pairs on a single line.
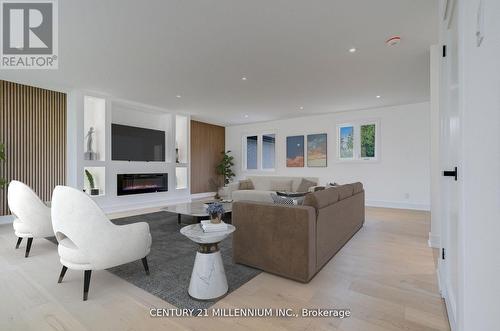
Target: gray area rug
[[171, 261]]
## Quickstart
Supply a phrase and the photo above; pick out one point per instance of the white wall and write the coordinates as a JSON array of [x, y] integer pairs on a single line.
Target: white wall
[[399, 179], [72, 135]]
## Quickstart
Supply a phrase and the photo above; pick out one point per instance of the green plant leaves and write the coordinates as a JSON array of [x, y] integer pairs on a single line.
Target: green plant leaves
[[224, 167], [90, 179]]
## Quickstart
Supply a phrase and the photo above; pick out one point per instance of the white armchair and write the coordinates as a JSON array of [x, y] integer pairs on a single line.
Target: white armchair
[[32, 216], [88, 240]]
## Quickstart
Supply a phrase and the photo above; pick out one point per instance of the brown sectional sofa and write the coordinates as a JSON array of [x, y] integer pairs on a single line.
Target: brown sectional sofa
[[297, 241]]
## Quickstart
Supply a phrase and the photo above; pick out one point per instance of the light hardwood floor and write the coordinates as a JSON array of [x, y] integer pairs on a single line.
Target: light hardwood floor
[[385, 275]]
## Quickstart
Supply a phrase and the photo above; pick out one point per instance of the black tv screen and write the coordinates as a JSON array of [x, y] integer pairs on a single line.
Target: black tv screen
[[129, 143]]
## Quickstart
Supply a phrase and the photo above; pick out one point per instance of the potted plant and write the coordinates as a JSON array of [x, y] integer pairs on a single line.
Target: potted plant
[[215, 211], [224, 168], [90, 178], [2, 158]]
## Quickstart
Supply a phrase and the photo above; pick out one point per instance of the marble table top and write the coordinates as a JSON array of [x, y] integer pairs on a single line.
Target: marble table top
[[195, 208], [196, 234]]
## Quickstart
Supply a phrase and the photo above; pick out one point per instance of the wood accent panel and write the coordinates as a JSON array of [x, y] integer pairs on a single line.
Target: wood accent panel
[[207, 143], [33, 129]]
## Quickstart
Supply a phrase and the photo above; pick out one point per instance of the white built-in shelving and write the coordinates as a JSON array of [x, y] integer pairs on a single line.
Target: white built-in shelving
[[91, 109], [181, 152]]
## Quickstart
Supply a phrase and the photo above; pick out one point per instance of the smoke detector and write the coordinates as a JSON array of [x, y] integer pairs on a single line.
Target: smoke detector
[[393, 41]]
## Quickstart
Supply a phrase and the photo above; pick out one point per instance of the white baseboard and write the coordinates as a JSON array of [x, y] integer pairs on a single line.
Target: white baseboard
[[449, 299], [434, 241], [451, 308], [158, 203], [440, 283], [7, 219], [203, 195], [118, 208], [398, 205]]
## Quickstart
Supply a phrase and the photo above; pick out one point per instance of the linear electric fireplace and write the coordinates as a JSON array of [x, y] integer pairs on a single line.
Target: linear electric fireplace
[[141, 183]]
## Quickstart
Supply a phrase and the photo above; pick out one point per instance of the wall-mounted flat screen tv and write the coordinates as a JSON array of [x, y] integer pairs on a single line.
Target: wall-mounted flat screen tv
[[130, 143]]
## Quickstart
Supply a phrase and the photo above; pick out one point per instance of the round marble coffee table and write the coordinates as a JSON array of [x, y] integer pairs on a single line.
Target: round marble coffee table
[[208, 279]]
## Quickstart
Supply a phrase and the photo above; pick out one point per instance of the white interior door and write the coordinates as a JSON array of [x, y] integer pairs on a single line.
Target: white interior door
[[450, 148]]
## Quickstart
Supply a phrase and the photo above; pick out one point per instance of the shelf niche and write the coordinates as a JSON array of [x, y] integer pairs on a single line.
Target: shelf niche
[[181, 139], [181, 178], [99, 176], [94, 116]]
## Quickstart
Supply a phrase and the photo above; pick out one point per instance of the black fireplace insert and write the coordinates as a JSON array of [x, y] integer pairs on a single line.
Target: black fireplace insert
[[141, 183]]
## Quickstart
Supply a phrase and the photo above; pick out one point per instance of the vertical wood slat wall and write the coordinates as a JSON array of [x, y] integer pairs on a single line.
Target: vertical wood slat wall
[[207, 143], [33, 130]]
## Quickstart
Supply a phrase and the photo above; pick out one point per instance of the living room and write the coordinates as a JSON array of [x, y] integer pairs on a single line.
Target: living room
[[249, 165]]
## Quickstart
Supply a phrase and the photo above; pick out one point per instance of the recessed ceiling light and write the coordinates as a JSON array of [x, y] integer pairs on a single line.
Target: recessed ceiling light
[[178, 96], [243, 78], [246, 116], [301, 108], [378, 96], [352, 50]]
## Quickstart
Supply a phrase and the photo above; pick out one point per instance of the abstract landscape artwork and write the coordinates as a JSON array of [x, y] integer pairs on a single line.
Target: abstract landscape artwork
[[295, 151], [346, 142], [317, 150]]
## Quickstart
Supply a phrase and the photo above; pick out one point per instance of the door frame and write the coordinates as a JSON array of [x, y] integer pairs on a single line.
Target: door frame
[[451, 10]]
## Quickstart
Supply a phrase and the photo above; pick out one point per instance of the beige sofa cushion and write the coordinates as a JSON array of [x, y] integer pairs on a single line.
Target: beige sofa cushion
[[264, 182], [345, 191], [331, 195], [246, 184], [320, 199], [283, 185], [357, 187], [305, 184], [252, 195]]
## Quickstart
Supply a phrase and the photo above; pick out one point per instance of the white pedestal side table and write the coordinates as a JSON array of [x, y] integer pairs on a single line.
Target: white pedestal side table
[[208, 279]]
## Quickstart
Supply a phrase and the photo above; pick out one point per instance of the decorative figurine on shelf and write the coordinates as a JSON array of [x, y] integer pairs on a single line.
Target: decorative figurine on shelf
[[215, 211], [177, 152], [90, 154]]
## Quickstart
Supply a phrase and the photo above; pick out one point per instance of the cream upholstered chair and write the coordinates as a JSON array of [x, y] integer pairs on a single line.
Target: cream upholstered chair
[[89, 241], [32, 216]]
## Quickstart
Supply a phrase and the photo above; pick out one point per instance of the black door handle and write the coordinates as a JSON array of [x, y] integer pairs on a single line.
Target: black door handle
[[452, 173]]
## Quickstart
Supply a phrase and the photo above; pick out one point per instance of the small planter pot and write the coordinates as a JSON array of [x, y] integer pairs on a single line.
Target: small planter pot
[[216, 219], [94, 191]]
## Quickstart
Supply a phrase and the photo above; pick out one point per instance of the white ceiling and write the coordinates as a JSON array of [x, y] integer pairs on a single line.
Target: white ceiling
[[294, 53]]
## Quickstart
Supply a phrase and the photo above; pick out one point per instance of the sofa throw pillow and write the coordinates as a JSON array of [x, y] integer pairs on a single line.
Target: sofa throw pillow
[[291, 194], [305, 184], [246, 184], [281, 200], [281, 185]]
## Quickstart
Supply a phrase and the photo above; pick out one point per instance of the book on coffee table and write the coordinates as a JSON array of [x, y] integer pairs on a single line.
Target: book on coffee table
[[207, 226]]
